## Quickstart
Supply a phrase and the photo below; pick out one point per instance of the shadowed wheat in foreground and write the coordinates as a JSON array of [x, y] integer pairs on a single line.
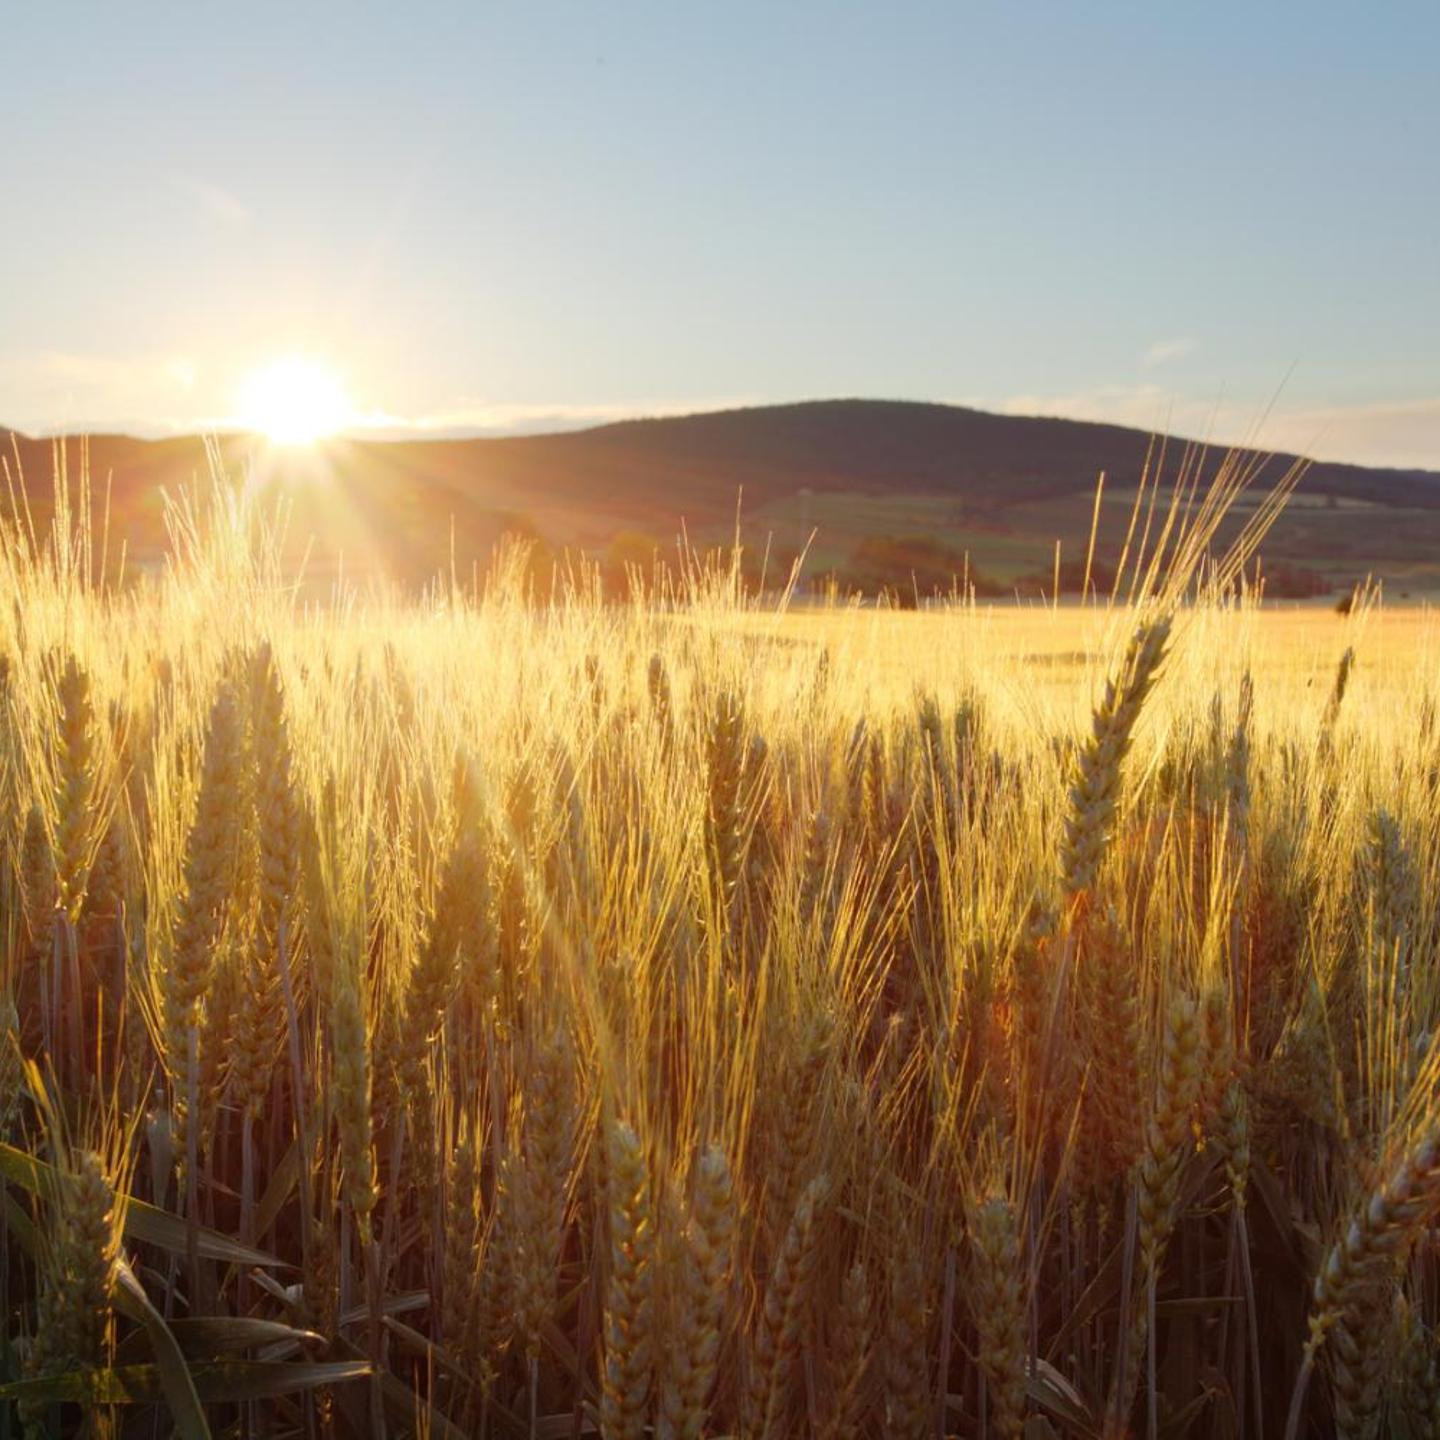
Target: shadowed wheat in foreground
[[514, 1015]]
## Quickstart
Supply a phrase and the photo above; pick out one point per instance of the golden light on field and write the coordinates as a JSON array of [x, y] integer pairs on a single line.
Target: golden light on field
[[294, 401]]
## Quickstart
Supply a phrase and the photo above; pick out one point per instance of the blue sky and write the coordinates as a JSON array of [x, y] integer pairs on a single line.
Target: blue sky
[[511, 215]]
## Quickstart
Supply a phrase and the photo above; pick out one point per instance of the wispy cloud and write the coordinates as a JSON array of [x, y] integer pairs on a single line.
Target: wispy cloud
[[1149, 407], [480, 417], [1161, 352], [1404, 433], [1400, 433], [73, 390], [54, 391], [214, 201]]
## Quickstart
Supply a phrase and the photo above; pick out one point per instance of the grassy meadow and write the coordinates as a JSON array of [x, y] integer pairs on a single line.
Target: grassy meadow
[[503, 1015]]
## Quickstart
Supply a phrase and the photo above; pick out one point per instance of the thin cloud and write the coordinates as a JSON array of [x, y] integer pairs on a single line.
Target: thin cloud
[[1404, 434], [54, 390], [92, 371], [477, 417], [214, 201], [1401, 433], [1144, 406], [1161, 352]]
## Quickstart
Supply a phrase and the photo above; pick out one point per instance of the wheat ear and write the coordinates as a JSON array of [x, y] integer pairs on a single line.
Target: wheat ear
[[1095, 790], [629, 1343]]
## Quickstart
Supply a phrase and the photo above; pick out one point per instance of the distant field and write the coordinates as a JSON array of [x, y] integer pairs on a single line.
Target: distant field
[[1005, 543], [1059, 653]]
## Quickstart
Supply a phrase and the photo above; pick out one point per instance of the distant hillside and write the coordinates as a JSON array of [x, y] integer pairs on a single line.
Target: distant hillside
[[879, 481]]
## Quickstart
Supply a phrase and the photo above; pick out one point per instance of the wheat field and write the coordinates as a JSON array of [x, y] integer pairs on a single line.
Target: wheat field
[[504, 1014]]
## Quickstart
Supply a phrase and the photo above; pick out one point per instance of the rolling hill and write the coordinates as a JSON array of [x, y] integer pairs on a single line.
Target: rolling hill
[[887, 488]]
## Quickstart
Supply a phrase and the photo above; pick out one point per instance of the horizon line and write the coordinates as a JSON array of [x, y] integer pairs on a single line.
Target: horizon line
[[551, 423]]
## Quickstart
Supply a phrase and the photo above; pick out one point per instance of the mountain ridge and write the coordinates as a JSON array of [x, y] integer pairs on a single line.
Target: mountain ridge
[[998, 488], [698, 421]]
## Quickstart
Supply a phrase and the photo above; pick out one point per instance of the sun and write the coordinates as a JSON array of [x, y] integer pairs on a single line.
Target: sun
[[294, 401]]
